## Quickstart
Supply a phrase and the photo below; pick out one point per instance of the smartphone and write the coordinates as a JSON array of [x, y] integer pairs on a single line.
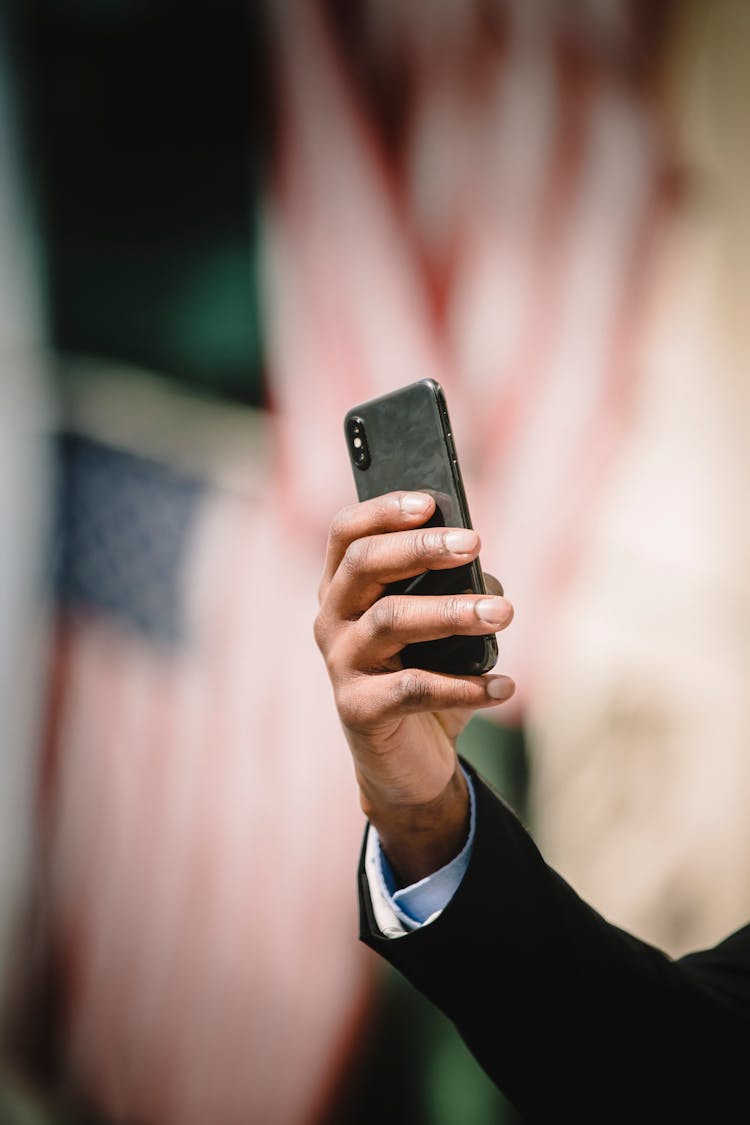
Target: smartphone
[[404, 441]]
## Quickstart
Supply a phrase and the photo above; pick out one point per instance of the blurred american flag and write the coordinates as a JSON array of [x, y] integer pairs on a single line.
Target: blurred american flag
[[202, 817], [200, 810], [500, 237]]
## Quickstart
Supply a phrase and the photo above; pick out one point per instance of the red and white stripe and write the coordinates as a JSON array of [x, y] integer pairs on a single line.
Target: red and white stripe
[[201, 809], [529, 199], [203, 825]]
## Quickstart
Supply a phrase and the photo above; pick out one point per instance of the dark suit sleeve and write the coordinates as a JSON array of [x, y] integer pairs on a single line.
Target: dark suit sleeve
[[571, 1017]]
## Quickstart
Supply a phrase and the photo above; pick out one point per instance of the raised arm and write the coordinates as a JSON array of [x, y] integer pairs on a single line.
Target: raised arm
[[572, 1017], [402, 724]]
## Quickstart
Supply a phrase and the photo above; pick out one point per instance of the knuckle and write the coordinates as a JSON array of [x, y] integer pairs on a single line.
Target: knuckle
[[387, 505], [341, 523], [345, 706], [387, 616], [337, 657], [426, 543], [357, 556], [452, 610], [411, 688], [466, 693], [351, 706]]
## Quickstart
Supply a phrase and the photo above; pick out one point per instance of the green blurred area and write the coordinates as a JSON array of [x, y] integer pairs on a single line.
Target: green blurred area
[[147, 125], [21, 1104]]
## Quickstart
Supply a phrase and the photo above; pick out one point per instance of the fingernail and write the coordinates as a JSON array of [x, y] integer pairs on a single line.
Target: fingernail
[[495, 611], [414, 502], [501, 687], [461, 542]]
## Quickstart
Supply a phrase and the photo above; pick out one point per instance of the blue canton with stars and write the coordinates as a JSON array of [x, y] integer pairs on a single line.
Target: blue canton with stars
[[123, 524]]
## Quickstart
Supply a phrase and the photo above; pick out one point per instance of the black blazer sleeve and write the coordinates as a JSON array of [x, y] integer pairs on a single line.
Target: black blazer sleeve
[[571, 1017]]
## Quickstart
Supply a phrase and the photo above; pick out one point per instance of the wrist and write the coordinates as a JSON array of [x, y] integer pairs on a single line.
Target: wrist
[[419, 839]]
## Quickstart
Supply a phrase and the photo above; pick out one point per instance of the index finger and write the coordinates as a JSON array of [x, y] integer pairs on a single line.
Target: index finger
[[395, 511]]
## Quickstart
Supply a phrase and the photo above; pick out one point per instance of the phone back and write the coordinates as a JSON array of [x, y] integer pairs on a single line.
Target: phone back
[[405, 442]]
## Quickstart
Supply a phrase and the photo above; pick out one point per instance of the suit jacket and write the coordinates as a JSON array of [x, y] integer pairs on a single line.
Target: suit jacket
[[574, 1019]]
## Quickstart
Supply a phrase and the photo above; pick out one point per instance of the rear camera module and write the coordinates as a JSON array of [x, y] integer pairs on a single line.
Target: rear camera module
[[357, 438]]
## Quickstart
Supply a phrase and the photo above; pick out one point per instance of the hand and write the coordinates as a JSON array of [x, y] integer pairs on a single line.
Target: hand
[[402, 724]]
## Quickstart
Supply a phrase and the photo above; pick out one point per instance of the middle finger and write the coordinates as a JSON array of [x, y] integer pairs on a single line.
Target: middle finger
[[371, 563]]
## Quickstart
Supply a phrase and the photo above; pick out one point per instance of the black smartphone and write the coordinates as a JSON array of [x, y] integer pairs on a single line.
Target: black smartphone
[[404, 441]]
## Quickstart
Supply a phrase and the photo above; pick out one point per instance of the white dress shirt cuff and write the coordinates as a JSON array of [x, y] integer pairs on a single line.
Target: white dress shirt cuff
[[399, 910]]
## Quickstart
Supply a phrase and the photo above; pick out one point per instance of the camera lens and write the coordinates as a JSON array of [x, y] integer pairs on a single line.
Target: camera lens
[[355, 432]]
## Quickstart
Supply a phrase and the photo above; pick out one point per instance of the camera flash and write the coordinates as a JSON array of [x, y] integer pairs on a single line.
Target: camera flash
[[358, 443]]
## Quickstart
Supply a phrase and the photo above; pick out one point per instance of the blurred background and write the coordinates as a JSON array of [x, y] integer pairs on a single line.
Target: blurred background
[[220, 227]]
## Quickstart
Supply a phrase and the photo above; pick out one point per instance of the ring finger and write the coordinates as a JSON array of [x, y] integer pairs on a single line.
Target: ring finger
[[396, 621]]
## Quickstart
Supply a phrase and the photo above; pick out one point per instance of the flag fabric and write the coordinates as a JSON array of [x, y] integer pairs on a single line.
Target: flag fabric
[[498, 208], [202, 816], [200, 811], [502, 244]]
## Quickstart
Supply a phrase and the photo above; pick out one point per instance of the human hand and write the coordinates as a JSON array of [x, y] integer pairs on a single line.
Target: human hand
[[402, 723]]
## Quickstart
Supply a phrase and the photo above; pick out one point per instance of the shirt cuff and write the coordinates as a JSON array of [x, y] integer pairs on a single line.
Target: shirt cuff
[[399, 910]]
